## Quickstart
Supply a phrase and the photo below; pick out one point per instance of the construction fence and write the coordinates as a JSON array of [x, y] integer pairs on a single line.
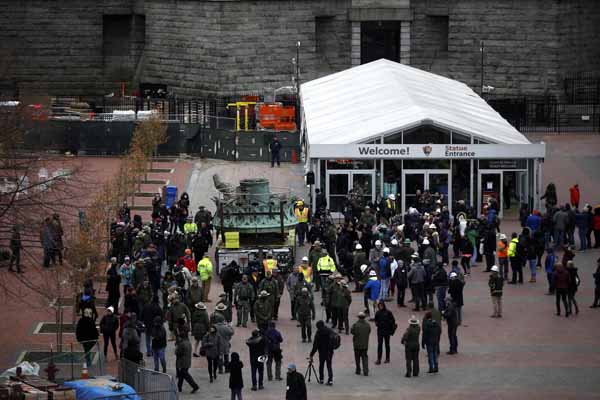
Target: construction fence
[[214, 140], [153, 384]]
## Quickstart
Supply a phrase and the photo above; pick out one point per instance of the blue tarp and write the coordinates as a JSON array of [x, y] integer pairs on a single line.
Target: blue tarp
[[91, 389]]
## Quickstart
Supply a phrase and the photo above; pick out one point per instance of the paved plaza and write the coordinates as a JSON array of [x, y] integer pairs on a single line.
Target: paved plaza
[[530, 353]]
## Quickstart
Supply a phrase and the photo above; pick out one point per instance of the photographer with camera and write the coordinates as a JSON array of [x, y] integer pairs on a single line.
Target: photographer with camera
[[325, 342]]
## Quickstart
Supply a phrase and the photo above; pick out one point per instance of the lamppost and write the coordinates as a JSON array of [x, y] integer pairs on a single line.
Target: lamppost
[[296, 61], [482, 51]]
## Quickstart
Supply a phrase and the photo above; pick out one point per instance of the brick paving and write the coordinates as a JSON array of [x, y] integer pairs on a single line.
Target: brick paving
[[530, 353]]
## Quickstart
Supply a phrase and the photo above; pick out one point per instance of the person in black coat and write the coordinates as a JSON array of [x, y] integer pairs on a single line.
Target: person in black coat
[[257, 347], [386, 326], [401, 279], [295, 385], [149, 313], [113, 282], [322, 344], [432, 331], [236, 381], [275, 148], [87, 334], [451, 316], [109, 324], [455, 290]]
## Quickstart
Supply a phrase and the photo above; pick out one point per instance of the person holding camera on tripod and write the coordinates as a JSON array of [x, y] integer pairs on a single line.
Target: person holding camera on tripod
[[323, 344]]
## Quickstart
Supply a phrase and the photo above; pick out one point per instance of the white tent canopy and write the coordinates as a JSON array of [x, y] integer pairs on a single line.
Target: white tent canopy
[[383, 97]]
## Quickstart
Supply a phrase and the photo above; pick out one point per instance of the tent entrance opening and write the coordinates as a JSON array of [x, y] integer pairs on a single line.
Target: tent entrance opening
[[417, 182], [340, 182]]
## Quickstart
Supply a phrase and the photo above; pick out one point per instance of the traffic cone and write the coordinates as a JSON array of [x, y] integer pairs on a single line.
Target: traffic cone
[[84, 371], [294, 157]]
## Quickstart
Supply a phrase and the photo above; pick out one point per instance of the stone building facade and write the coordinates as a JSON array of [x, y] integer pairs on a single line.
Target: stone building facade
[[228, 47]]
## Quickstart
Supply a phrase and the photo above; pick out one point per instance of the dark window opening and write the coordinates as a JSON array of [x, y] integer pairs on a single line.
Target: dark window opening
[[123, 39], [439, 27], [380, 39]]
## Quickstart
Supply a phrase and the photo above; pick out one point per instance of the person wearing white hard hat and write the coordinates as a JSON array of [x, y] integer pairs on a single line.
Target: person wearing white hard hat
[[358, 259], [385, 273], [109, 324], [375, 254], [372, 290], [391, 208], [496, 283]]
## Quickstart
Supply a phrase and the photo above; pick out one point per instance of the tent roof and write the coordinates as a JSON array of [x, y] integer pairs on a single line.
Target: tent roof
[[384, 97]]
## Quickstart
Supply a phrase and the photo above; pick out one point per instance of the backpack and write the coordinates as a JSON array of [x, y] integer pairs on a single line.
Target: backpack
[[180, 278], [335, 341]]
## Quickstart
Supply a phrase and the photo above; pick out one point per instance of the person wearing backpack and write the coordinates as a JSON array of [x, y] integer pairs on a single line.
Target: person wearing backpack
[[274, 340], [325, 342]]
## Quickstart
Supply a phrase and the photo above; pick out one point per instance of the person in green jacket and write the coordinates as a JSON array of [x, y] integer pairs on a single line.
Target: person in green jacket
[[410, 340], [244, 296], [343, 300], [263, 310], [305, 308], [271, 286], [200, 324], [360, 341]]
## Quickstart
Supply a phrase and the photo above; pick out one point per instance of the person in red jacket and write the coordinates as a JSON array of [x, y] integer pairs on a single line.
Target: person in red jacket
[[561, 278], [188, 261], [575, 195]]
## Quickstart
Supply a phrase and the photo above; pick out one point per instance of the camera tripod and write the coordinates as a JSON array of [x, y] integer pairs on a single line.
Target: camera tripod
[[310, 370]]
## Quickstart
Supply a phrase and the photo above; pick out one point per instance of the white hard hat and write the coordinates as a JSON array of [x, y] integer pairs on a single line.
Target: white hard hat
[[372, 273], [392, 196], [453, 275], [394, 242], [425, 241], [378, 243], [358, 246], [363, 268], [495, 268], [386, 250], [304, 258]]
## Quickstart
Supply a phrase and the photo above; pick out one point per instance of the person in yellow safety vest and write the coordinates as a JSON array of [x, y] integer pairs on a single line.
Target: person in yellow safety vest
[[516, 264], [205, 269], [325, 266], [269, 264], [390, 206], [301, 214], [306, 270], [190, 227]]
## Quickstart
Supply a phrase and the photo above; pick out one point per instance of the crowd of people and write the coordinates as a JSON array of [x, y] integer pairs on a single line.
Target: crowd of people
[[164, 272]]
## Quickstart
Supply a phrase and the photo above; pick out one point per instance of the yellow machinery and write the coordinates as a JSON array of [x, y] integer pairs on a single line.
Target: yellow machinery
[[245, 105]]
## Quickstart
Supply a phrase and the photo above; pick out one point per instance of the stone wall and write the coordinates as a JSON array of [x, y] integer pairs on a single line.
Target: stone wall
[[200, 47], [54, 46], [528, 44], [236, 47]]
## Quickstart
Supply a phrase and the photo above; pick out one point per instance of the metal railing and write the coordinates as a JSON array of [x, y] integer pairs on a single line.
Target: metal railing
[[69, 360], [548, 116], [156, 385]]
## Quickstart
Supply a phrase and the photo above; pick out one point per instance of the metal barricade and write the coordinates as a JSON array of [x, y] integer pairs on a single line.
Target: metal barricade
[[155, 395], [155, 385]]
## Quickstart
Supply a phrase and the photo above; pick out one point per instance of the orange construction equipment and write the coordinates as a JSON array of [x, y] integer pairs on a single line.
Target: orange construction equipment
[[277, 117]]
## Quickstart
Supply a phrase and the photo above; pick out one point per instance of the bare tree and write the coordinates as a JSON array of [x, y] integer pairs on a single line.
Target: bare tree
[[34, 186]]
